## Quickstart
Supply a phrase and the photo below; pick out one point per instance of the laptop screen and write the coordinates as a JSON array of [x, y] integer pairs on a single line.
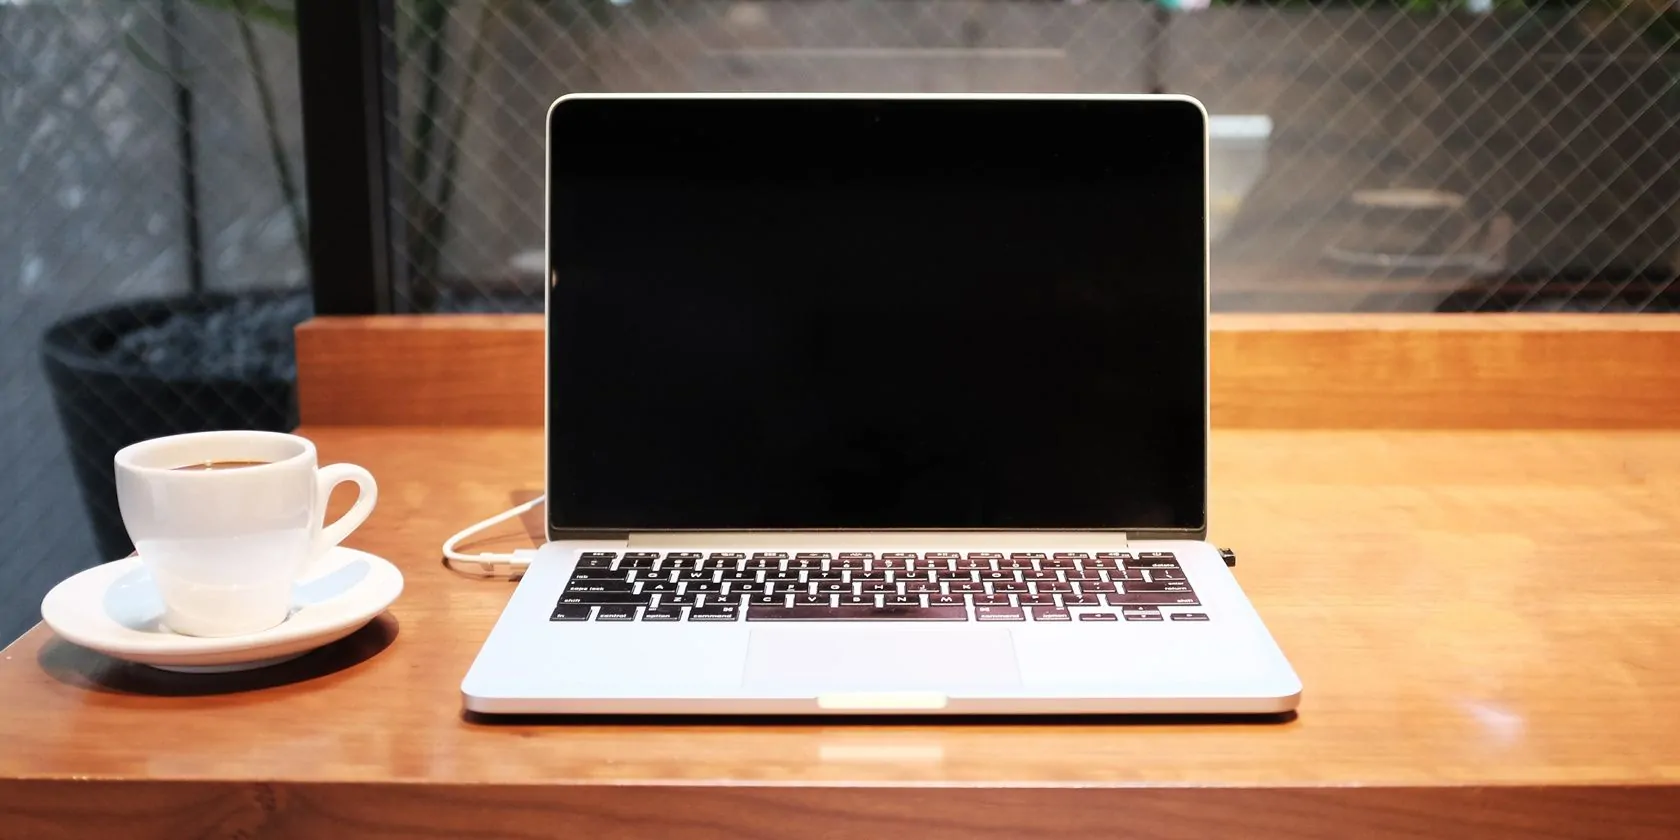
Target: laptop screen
[[790, 313]]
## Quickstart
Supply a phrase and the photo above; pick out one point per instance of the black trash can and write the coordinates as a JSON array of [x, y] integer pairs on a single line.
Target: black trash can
[[164, 366]]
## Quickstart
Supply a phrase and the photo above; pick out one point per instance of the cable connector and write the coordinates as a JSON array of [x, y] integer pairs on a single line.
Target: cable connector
[[489, 564]]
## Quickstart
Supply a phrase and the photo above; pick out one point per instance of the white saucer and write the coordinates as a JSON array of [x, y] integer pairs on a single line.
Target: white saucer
[[115, 609]]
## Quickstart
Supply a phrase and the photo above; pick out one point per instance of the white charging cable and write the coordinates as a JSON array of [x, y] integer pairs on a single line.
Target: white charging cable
[[490, 564]]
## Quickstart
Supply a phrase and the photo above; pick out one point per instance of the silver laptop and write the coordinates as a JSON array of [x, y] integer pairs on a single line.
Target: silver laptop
[[878, 404]]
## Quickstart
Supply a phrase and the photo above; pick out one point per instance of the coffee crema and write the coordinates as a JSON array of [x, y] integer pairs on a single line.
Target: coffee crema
[[209, 466]]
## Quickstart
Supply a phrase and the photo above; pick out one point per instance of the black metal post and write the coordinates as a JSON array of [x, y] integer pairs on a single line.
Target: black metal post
[[185, 142], [342, 46]]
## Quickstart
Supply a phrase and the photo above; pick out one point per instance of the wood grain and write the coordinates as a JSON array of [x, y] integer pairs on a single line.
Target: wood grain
[[1267, 371], [1484, 621], [157, 811]]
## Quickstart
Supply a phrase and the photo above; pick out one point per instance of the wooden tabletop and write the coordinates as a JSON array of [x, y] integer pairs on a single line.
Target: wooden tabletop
[[1487, 625]]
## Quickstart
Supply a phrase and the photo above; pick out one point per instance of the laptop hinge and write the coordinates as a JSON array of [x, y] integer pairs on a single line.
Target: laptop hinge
[[908, 540]]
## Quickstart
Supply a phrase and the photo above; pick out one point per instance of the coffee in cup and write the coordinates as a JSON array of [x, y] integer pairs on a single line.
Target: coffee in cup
[[227, 522]]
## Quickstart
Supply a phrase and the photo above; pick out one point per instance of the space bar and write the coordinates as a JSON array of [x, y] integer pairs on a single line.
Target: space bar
[[767, 613]]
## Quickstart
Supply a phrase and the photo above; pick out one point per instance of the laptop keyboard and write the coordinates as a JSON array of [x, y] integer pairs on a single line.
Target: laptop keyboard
[[864, 586]]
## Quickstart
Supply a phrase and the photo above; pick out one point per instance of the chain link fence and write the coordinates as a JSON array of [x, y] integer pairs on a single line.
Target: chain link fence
[[1370, 156], [150, 267]]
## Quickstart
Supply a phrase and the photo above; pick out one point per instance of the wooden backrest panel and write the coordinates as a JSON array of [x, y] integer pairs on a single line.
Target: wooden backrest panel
[[1268, 371]]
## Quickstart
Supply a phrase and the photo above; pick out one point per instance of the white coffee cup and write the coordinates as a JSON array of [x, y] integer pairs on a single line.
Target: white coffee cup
[[225, 543]]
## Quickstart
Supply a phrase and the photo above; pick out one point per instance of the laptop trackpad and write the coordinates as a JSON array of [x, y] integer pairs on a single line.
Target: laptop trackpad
[[880, 659]]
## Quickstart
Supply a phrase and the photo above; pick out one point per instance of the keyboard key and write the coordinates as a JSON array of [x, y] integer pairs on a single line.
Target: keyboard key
[[889, 561], [823, 601], [990, 613], [1026, 555], [862, 576], [1140, 610], [726, 555], [688, 600], [856, 614], [596, 560], [1098, 617], [1099, 563], [715, 564], [683, 555], [901, 601], [977, 562], [1152, 560], [825, 576], [702, 586], [1121, 575], [857, 600], [638, 561], [1157, 586], [1070, 555], [1091, 588], [1080, 601], [834, 588], [720, 612], [929, 565], [601, 574], [805, 564], [1037, 600], [1113, 555], [857, 555], [616, 612], [1162, 599], [599, 586], [941, 555], [1050, 614], [1040, 574], [662, 614], [1053, 586], [921, 587], [813, 555], [992, 600], [967, 587], [786, 577], [1073, 575], [570, 613], [747, 586], [738, 577], [768, 600], [852, 563], [949, 576], [769, 555], [762, 563], [1166, 574], [1142, 616], [999, 575], [879, 587], [898, 555], [984, 555], [680, 563], [1189, 616], [1059, 562], [1010, 586], [1017, 561], [710, 598], [947, 601], [695, 575], [659, 586]]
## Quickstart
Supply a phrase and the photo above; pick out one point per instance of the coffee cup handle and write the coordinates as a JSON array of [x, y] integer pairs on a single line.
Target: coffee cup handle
[[327, 478]]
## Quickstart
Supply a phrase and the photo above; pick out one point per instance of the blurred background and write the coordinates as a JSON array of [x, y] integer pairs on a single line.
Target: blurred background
[[155, 250]]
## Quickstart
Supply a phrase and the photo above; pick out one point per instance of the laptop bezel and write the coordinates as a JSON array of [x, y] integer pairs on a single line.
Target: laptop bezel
[[558, 534]]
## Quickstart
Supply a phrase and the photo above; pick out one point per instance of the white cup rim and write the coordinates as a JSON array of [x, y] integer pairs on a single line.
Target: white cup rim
[[127, 458]]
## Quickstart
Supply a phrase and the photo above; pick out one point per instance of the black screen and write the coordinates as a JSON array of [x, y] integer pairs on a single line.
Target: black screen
[[788, 313]]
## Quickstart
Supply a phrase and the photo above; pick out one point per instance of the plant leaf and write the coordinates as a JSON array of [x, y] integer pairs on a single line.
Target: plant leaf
[[268, 12]]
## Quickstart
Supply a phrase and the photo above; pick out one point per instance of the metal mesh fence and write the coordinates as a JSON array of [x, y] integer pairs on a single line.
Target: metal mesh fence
[[1373, 156], [149, 267]]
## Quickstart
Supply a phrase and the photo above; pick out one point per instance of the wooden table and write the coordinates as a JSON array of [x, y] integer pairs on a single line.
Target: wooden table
[[1487, 624]]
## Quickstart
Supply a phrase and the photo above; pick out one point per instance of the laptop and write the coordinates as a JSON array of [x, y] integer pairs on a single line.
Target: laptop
[[869, 404]]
